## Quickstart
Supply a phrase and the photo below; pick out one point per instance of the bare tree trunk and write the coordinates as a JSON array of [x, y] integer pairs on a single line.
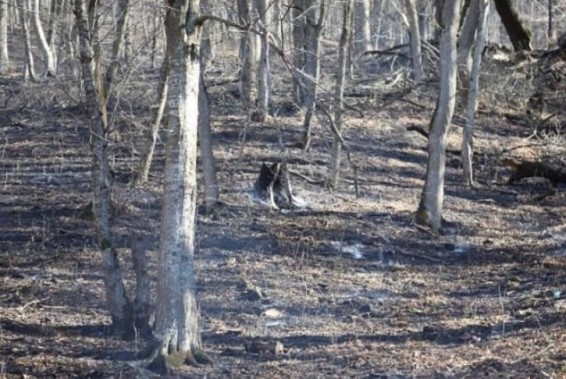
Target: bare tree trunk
[[54, 14], [298, 58], [550, 33], [118, 302], [468, 137], [121, 20], [438, 23], [362, 28], [416, 55], [339, 93], [207, 47], [211, 191], [313, 31], [4, 58], [29, 71], [519, 34], [264, 82], [429, 212], [177, 332], [277, 21], [249, 59], [465, 44], [47, 51], [147, 156]]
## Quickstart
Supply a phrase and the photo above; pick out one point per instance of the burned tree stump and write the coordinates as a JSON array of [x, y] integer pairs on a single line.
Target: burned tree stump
[[528, 169], [273, 186]]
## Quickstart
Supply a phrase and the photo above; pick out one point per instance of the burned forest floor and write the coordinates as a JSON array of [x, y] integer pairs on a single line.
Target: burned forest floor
[[347, 287]]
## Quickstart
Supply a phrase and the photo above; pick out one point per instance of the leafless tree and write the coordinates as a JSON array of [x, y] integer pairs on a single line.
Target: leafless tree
[[118, 303], [416, 55], [313, 32], [29, 70], [51, 69], [519, 34], [471, 105], [429, 212], [249, 57], [4, 18], [339, 92], [264, 75], [177, 332]]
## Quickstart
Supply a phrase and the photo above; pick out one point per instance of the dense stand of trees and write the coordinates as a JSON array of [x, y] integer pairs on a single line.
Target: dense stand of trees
[[291, 31]]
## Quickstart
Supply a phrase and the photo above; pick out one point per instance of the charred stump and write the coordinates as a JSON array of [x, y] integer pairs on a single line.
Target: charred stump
[[273, 186]]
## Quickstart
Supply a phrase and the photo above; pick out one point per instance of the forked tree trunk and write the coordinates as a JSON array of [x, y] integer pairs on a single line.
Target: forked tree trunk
[[313, 31], [519, 34], [468, 137], [45, 48], [4, 59], [119, 305], [29, 70], [147, 155], [465, 44], [416, 55], [177, 332], [264, 82], [339, 93], [429, 212]]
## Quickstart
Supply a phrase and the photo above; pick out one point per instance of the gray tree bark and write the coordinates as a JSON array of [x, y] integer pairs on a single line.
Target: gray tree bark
[[298, 56], [118, 303], [362, 27], [249, 48], [313, 31], [429, 212], [153, 131], [177, 329], [123, 7], [29, 70], [416, 55], [51, 70], [4, 17], [339, 93], [211, 190], [264, 80], [472, 100], [465, 44]]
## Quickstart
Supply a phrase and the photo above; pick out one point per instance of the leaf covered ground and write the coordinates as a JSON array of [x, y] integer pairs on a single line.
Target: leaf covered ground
[[348, 287]]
